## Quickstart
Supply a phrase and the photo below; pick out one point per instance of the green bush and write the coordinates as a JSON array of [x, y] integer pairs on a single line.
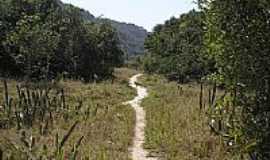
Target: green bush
[[237, 37]]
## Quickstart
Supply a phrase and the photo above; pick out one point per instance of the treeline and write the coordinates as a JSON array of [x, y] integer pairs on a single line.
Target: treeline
[[224, 43], [174, 49], [46, 39]]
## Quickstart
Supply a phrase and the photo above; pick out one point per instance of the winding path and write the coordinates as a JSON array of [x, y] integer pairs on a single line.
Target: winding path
[[137, 150]]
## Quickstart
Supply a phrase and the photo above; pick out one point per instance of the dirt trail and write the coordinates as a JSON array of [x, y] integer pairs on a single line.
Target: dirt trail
[[137, 150]]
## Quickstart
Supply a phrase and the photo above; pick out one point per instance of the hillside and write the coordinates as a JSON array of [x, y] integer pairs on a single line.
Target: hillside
[[132, 37]]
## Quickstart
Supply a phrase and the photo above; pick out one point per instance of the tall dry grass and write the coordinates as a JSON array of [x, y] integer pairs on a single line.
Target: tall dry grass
[[104, 130], [176, 127]]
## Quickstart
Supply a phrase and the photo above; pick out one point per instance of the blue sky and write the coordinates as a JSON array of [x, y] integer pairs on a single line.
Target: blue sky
[[146, 13]]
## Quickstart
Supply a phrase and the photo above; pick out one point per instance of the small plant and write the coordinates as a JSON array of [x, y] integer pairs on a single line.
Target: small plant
[[33, 105], [59, 153]]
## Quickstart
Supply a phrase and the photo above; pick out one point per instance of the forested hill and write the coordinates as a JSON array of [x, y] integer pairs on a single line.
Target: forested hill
[[46, 39], [132, 37]]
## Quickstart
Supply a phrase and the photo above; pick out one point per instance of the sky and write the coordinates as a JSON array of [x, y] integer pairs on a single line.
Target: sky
[[145, 13]]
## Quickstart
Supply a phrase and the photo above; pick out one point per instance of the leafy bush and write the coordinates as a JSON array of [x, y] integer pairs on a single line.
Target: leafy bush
[[237, 37]]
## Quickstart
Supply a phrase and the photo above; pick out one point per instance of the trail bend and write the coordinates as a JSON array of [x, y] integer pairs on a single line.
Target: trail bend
[[137, 150]]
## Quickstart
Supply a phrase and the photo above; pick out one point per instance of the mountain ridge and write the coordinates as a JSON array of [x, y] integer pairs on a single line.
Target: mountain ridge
[[131, 36]]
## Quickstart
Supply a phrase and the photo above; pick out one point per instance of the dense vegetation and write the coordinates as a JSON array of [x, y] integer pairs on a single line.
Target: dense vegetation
[[237, 37], [174, 49], [224, 43], [44, 39]]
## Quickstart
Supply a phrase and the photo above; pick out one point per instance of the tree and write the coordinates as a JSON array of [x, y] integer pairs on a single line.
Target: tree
[[174, 49], [42, 39], [237, 37], [35, 44]]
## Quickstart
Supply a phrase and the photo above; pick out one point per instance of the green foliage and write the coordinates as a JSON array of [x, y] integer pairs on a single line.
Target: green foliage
[[44, 39], [174, 49], [237, 37]]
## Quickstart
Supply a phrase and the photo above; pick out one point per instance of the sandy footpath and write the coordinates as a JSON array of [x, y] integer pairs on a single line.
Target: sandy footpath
[[137, 150]]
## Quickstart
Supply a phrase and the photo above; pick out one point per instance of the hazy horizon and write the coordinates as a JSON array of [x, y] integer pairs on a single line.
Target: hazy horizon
[[146, 14]]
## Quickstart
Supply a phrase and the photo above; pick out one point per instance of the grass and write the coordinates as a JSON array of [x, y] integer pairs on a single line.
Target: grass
[[176, 128], [107, 131]]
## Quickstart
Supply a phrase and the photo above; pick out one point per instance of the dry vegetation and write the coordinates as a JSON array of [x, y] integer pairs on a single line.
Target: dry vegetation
[[176, 129], [104, 130]]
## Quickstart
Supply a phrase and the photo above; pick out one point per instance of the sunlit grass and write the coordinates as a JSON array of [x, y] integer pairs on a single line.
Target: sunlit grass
[[107, 131], [176, 128]]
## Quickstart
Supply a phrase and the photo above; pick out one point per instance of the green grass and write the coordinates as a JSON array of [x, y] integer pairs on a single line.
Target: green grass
[[176, 129], [107, 132]]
